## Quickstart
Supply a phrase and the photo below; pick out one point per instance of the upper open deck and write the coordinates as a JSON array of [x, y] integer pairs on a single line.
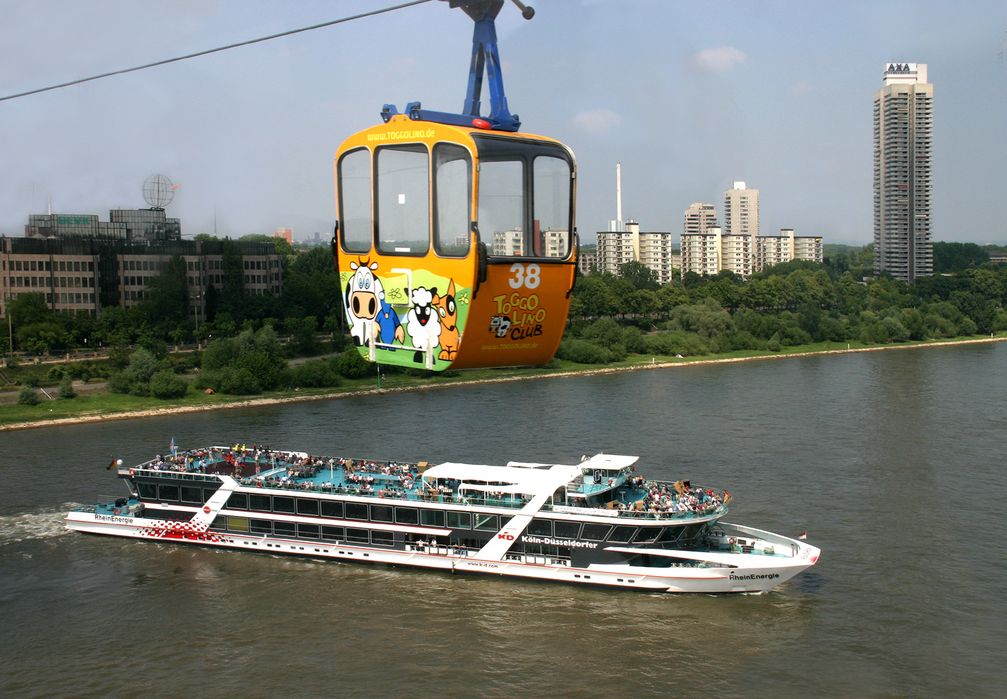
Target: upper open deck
[[604, 485]]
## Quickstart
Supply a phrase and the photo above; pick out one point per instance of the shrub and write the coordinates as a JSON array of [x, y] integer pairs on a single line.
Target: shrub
[[66, 388], [632, 340], [119, 382], [351, 365], [27, 396], [676, 342], [240, 382], [262, 366], [316, 374], [167, 384], [583, 352], [605, 331], [142, 365], [219, 353]]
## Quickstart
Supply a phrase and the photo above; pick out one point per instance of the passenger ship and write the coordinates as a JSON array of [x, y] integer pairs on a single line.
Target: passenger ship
[[596, 522]]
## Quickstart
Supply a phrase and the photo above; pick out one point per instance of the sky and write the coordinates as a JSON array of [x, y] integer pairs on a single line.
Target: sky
[[688, 96]]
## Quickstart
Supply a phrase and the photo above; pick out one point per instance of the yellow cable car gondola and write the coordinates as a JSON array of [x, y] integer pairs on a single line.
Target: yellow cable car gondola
[[455, 238]]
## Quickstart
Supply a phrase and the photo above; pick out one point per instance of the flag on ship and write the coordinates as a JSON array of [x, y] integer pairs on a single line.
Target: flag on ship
[[172, 446]]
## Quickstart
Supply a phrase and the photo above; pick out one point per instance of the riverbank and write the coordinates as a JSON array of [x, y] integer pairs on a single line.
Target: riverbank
[[566, 369]]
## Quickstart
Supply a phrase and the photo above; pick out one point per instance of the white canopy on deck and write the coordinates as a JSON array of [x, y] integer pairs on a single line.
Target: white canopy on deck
[[608, 462], [504, 479]]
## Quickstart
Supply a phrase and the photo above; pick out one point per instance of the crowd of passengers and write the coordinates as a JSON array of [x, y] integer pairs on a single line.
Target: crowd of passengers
[[296, 465], [199, 460], [679, 497]]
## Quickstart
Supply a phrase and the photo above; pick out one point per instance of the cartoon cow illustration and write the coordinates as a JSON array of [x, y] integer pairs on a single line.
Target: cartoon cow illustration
[[422, 322], [447, 309], [363, 299]]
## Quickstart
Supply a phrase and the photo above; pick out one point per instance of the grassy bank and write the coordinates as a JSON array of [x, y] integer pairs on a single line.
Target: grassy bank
[[107, 405]]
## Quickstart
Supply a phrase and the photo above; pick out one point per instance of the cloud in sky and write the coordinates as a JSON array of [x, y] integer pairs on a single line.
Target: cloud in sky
[[597, 121], [718, 60], [801, 87]]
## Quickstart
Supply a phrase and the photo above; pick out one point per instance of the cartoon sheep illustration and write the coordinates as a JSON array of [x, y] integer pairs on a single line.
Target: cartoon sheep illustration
[[422, 322]]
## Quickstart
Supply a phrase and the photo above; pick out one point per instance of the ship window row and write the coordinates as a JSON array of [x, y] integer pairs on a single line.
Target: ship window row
[[174, 493], [312, 507], [361, 511], [621, 534], [292, 530]]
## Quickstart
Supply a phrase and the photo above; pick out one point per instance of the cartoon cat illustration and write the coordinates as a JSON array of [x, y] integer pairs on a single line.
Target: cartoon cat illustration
[[447, 309]]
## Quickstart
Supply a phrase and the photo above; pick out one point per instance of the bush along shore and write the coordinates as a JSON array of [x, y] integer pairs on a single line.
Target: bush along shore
[[106, 405]]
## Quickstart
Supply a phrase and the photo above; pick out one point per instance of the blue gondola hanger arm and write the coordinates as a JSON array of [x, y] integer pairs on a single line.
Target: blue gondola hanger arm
[[485, 60]]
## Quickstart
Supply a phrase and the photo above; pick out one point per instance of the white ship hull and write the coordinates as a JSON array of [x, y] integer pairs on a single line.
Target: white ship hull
[[725, 572]]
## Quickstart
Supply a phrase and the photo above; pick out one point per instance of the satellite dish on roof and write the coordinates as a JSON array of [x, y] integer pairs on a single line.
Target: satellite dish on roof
[[158, 191]]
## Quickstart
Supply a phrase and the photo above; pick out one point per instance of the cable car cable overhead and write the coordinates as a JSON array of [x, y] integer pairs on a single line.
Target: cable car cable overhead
[[197, 54]]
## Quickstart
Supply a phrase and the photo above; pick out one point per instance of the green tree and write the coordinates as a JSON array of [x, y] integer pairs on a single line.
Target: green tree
[[955, 257], [66, 388], [351, 365], [26, 309], [27, 396], [593, 297], [165, 302], [233, 281], [135, 378], [313, 261], [166, 384], [253, 359], [280, 245], [303, 341], [639, 275]]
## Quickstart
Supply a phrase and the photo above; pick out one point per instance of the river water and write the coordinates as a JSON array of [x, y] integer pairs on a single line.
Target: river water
[[891, 461]]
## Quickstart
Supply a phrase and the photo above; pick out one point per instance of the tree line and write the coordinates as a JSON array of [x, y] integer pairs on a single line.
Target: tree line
[[796, 303], [611, 317]]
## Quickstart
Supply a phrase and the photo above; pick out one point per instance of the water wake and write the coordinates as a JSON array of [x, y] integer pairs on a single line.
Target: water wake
[[27, 526]]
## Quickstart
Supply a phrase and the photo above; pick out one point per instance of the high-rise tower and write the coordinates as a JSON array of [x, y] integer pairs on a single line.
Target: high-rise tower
[[699, 217], [741, 210], [903, 172], [741, 218]]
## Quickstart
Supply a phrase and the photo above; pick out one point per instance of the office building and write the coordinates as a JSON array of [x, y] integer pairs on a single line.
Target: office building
[[131, 225], [903, 172], [147, 225], [82, 275]]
